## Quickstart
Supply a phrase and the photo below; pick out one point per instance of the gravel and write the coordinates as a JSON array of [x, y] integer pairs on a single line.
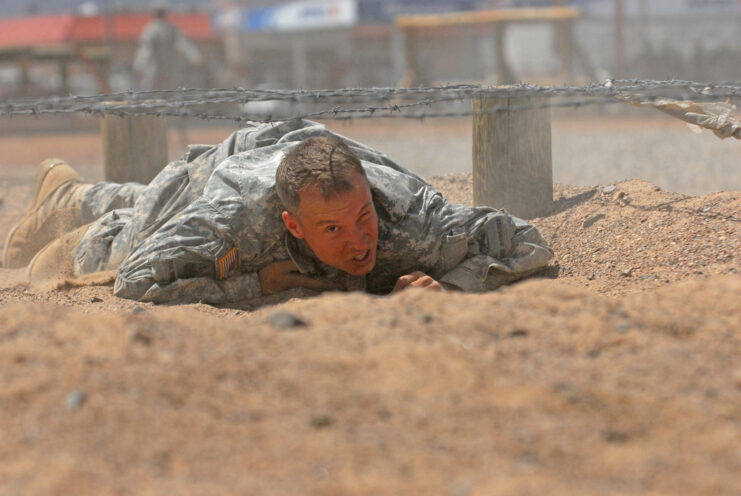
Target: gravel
[[285, 320], [75, 399]]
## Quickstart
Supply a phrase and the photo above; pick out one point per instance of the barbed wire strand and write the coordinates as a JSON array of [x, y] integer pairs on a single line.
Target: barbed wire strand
[[396, 102]]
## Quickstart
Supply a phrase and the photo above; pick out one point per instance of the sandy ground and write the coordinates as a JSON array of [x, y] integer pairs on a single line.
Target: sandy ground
[[617, 374]]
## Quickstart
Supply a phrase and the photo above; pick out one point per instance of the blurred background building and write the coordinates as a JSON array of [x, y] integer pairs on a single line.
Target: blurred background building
[[87, 46]]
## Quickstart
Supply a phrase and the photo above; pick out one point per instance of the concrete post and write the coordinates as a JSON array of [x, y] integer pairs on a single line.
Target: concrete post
[[512, 165]]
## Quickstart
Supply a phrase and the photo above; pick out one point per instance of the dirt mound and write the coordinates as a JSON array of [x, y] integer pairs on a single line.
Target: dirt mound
[[632, 236], [541, 388], [568, 386]]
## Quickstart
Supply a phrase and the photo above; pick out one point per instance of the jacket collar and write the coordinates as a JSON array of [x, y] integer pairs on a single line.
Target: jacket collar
[[308, 264]]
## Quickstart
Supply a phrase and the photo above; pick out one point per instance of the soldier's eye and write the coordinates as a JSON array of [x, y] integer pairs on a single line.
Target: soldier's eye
[[333, 229]]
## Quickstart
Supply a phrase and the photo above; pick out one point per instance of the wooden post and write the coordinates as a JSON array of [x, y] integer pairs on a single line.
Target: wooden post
[[134, 147], [64, 76], [505, 75], [24, 64], [619, 39], [410, 76], [512, 166], [564, 43], [299, 60]]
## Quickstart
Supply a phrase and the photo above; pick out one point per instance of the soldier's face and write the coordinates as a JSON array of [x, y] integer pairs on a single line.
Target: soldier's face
[[341, 230]]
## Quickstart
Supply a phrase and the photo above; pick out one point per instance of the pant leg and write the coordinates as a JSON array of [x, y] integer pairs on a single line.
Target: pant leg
[[125, 214], [105, 197]]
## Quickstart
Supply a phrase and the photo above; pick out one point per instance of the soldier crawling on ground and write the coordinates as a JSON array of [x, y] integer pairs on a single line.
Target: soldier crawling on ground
[[272, 208]]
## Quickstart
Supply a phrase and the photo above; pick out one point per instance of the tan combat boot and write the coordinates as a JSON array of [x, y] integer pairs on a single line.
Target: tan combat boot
[[54, 263], [54, 209]]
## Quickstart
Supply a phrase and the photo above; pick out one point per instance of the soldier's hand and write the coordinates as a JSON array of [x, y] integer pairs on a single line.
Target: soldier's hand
[[416, 280], [282, 276]]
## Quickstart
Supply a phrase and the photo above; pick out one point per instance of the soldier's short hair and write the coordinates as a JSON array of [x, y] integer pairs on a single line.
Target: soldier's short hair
[[327, 163]]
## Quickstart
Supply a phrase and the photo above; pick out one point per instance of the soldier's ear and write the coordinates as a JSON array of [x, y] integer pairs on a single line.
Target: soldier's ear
[[292, 224]]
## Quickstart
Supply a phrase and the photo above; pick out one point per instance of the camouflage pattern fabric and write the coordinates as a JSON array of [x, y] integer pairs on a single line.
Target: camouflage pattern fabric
[[204, 227]]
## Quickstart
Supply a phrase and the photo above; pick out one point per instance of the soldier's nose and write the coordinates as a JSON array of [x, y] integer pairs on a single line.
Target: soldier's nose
[[358, 240]]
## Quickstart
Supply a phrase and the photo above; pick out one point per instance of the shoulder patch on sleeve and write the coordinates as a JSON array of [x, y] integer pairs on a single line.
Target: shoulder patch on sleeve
[[228, 262]]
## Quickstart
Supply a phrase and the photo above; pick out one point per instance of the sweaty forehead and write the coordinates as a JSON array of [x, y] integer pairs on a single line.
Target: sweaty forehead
[[315, 207]]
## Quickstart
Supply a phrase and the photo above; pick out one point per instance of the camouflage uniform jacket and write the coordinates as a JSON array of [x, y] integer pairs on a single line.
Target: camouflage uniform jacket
[[204, 227]]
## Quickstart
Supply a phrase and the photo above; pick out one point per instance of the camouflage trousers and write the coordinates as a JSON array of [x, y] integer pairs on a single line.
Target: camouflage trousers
[[112, 202], [123, 215], [102, 198]]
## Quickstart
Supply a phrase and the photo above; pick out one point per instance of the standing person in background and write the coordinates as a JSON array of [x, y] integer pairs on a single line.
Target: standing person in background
[[163, 59], [163, 54]]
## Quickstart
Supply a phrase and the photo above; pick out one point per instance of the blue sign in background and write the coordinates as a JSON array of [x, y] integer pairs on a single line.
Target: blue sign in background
[[259, 19]]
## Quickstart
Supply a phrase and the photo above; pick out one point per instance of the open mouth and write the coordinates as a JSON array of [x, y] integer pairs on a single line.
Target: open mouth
[[362, 258]]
